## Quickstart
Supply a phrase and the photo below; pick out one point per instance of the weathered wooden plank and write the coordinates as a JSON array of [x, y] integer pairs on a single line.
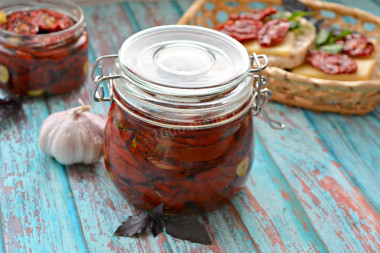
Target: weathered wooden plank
[[184, 5], [343, 218], [355, 144], [227, 232], [271, 212], [2, 240], [108, 26], [37, 212], [152, 14]]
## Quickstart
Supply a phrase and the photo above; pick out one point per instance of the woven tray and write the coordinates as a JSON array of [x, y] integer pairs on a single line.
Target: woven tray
[[347, 97]]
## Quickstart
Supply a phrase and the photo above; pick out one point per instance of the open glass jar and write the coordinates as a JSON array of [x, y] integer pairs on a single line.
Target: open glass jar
[[44, 63], [180, 126]]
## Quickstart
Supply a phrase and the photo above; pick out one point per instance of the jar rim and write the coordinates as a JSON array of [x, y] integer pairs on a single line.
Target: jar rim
[[25, 38]]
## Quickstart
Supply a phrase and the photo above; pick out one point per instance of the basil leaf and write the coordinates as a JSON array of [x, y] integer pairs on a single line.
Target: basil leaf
[[135, 224], [333, 49], [187, 228], [294, 24], [323, 37], [298, 14], [157, 227], [9, 106], [157, 211]]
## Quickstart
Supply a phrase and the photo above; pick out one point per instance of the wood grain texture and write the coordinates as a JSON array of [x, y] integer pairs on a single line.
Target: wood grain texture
[[355, 143], [315, 186], [344, 219], [271, 211], [37, 212]]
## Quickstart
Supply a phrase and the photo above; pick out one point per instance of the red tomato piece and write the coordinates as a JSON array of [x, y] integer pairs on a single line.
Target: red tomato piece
[[241, 30], [255, 15], [37, 22], [20, 23], [50, 21], [331, 63], [273, 32], [357, 45]]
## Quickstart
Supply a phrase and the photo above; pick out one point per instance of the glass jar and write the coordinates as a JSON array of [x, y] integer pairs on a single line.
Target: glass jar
[[180, 126], [49, 63]]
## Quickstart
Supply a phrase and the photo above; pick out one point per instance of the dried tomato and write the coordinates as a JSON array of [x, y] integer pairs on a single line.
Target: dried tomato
[[331, 63], [37, 22], [356, 44], [273, 32], [50, 21], [255, 15], [19, 22], [241, 30], [189, 171], [38, 64]]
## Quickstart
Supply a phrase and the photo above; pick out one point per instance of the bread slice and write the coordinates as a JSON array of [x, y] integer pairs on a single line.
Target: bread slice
[[292, 51]]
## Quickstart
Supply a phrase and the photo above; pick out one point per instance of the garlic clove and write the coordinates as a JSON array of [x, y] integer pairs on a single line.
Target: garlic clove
[[73, 136]]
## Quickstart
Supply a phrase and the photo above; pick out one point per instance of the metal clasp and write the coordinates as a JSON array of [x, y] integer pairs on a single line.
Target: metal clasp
[[261, 95], [101, 78]]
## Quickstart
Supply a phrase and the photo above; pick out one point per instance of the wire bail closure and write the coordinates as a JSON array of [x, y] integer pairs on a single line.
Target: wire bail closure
[[101, 78], [261, 95]]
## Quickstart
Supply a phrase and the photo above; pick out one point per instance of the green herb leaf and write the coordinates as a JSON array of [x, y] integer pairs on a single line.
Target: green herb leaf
[[280, 15], [333, 48], [294, 24], [342, 34], [298, 14], [322, 37]]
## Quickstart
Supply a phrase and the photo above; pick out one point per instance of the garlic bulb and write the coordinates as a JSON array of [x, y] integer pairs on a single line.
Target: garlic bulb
[[73, 136]]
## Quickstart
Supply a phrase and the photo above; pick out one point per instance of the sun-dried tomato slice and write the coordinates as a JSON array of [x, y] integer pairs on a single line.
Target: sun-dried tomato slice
[[241, 30], [331, 63], [37, 22], [255, 15], [50, 21], [356, 45], [273, 32], [19, 22]]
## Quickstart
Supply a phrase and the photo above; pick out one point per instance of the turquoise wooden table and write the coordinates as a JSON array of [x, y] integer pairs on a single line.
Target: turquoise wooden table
[[315, 186]]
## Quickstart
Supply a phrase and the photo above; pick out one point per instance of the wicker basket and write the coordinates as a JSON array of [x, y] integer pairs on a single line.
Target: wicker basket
[[347, 97]]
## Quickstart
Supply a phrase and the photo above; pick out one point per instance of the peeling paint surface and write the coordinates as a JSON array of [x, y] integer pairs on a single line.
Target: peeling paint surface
[[314, 187]]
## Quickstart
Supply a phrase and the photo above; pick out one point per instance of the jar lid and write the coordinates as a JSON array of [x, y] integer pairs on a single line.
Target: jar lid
[[183, 57]]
